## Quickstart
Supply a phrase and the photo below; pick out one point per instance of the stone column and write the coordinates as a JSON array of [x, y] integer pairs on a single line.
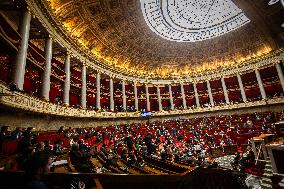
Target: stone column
[[67, 80], [84, 87], [183, 96], [280, 75], [210, 93], [20, 63], [159, 98], [225, 90], [147, 98], [260, 84], [123, 96], [242, 88], [135, 96], [171, 97], [111, 100], [47, 70], [196, 95], [98, 87]]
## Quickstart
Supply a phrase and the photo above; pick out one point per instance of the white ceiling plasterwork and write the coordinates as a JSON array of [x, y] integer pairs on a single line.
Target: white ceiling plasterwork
[[192, 20]]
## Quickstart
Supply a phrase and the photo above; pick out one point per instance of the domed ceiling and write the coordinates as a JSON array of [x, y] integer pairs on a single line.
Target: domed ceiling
[[192, 20], [201, 35]]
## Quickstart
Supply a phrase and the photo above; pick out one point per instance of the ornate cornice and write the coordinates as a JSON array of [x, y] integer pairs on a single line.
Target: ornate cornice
[[32, 104], [223, 107]]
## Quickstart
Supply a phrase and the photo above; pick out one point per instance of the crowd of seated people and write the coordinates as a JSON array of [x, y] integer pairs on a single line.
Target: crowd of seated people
[[188, 141], [182, 140]]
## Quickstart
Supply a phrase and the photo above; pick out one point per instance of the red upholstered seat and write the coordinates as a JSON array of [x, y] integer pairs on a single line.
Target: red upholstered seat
[[9, 147]]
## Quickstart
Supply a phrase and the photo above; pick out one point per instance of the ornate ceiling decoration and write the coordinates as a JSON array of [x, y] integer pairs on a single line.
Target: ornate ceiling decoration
[[192, 20], [116, 34]]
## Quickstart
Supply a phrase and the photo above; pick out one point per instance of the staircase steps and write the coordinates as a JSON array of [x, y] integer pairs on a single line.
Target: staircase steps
[[266, 182]]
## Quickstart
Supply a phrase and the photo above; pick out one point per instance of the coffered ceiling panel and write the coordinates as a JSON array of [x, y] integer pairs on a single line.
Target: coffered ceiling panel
[[116, 32]]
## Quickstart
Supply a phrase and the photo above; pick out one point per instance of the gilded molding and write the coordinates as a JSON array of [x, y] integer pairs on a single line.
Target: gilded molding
[[33, 104]]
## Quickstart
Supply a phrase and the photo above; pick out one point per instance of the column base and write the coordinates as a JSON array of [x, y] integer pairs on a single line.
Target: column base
[[66, 104], [46, 99]]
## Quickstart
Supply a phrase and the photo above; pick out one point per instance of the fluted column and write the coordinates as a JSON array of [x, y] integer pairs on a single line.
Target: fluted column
[[280, 75], [20, 63], [147, 98], [183, 95], [159, 98], [47, 70], [111, 94], [123, 96], [171, 97], [98, 87], [260, 84], [196, 95], [242, 88], [225, 90], [210, 93], [135, 96], [84, 87], [67, 80]]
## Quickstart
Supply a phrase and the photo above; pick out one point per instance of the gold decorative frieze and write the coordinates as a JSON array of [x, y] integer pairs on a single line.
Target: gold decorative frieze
[[32, 104], [28, 103]]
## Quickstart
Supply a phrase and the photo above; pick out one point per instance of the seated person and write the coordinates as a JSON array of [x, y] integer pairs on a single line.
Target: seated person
[[48, 147], [110, 161], [83, 147], [236, 161], [16, 134], [247, 159], [37, 166], [124, 155], [250, 156], [40, 147], [58, 148], [82, 163], [132, 159], [140, 162], [60, 130]]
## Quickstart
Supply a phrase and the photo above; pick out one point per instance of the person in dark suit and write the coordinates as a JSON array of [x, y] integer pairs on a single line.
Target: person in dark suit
[[37, 166]]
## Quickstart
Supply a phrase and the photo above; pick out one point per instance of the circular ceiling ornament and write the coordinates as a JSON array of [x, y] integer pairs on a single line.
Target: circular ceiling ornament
[[192, 20]]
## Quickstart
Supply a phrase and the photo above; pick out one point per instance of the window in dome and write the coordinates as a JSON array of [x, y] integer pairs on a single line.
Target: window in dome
[[192, 20]]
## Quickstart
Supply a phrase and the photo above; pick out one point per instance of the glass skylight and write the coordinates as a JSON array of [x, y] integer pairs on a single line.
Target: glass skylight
[[192, 20]]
